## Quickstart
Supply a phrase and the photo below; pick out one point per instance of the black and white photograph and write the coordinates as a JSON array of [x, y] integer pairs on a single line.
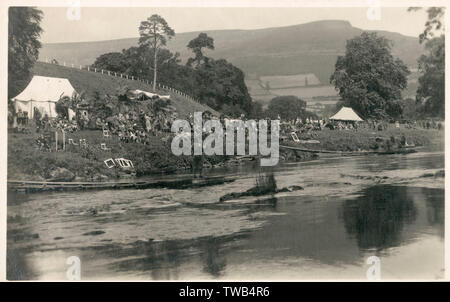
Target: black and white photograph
[[183, 142]]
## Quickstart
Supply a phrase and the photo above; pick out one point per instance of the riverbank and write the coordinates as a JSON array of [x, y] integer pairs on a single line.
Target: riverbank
[[371, 140], [76, 163], [27, 162]]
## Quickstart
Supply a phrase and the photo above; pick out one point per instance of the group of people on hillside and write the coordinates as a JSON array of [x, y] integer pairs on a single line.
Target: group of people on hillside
[[137, 127]]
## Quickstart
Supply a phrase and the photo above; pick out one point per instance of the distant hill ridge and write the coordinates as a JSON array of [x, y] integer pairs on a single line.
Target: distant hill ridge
[[298, 49]]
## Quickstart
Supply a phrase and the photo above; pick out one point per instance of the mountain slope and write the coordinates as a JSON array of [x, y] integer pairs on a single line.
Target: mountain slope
[[299, 49]]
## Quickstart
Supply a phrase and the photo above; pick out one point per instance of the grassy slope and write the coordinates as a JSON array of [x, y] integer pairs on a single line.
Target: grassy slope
[[25, 161], [83, 80]]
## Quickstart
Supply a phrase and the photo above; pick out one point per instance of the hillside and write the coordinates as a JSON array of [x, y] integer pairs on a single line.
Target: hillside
[[291, 50], [91, 82]]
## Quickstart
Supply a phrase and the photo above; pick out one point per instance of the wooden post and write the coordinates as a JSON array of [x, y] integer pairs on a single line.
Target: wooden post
[[88, 67], [64, 139], [56, 139]]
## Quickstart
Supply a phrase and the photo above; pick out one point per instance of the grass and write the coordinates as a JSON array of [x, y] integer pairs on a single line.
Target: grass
[[364, 139], [90, 82], [25, 161]]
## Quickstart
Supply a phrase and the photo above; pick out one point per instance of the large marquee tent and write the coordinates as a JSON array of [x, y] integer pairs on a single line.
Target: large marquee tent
[[43, 93]]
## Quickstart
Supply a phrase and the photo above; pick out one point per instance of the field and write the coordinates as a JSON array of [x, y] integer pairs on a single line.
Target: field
[[290, 80], [307, 92], [266, 88], [254, 88]]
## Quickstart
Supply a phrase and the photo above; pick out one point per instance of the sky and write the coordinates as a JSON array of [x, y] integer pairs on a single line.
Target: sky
[[95, 24]]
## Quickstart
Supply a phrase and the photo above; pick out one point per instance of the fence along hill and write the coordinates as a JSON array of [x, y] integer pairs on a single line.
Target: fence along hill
[[91, 82]]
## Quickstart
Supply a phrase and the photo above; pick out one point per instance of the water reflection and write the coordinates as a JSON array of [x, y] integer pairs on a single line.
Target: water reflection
[[378, 216], [17, 267], [436, 213], [214, 258], [330, 226]]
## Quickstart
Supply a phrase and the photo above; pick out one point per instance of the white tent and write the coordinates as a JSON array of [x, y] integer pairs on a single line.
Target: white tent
[[43, 93], [346, 114], [140, 93]]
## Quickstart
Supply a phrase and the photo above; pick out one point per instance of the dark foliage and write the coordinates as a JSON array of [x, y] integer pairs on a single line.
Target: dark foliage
[[369, 78], [23, 46]]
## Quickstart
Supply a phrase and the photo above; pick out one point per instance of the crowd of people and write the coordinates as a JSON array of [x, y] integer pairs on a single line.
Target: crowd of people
[[137, 127]]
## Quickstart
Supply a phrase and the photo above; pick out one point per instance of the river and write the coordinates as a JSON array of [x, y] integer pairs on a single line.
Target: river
[[351, 208]]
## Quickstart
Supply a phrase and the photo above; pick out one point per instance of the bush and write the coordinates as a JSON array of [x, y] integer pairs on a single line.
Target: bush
[[265, 183]]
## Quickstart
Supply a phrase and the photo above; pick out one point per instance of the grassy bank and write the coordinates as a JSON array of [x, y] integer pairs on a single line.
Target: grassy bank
[[362, 139], [27, 162]]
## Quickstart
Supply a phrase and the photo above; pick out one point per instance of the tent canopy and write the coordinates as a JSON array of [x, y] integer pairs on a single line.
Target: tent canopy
[[141, 94], [43, 93], [346, 114]]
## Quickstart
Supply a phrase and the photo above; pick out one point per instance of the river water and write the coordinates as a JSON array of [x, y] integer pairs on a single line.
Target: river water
[[351, 208]]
